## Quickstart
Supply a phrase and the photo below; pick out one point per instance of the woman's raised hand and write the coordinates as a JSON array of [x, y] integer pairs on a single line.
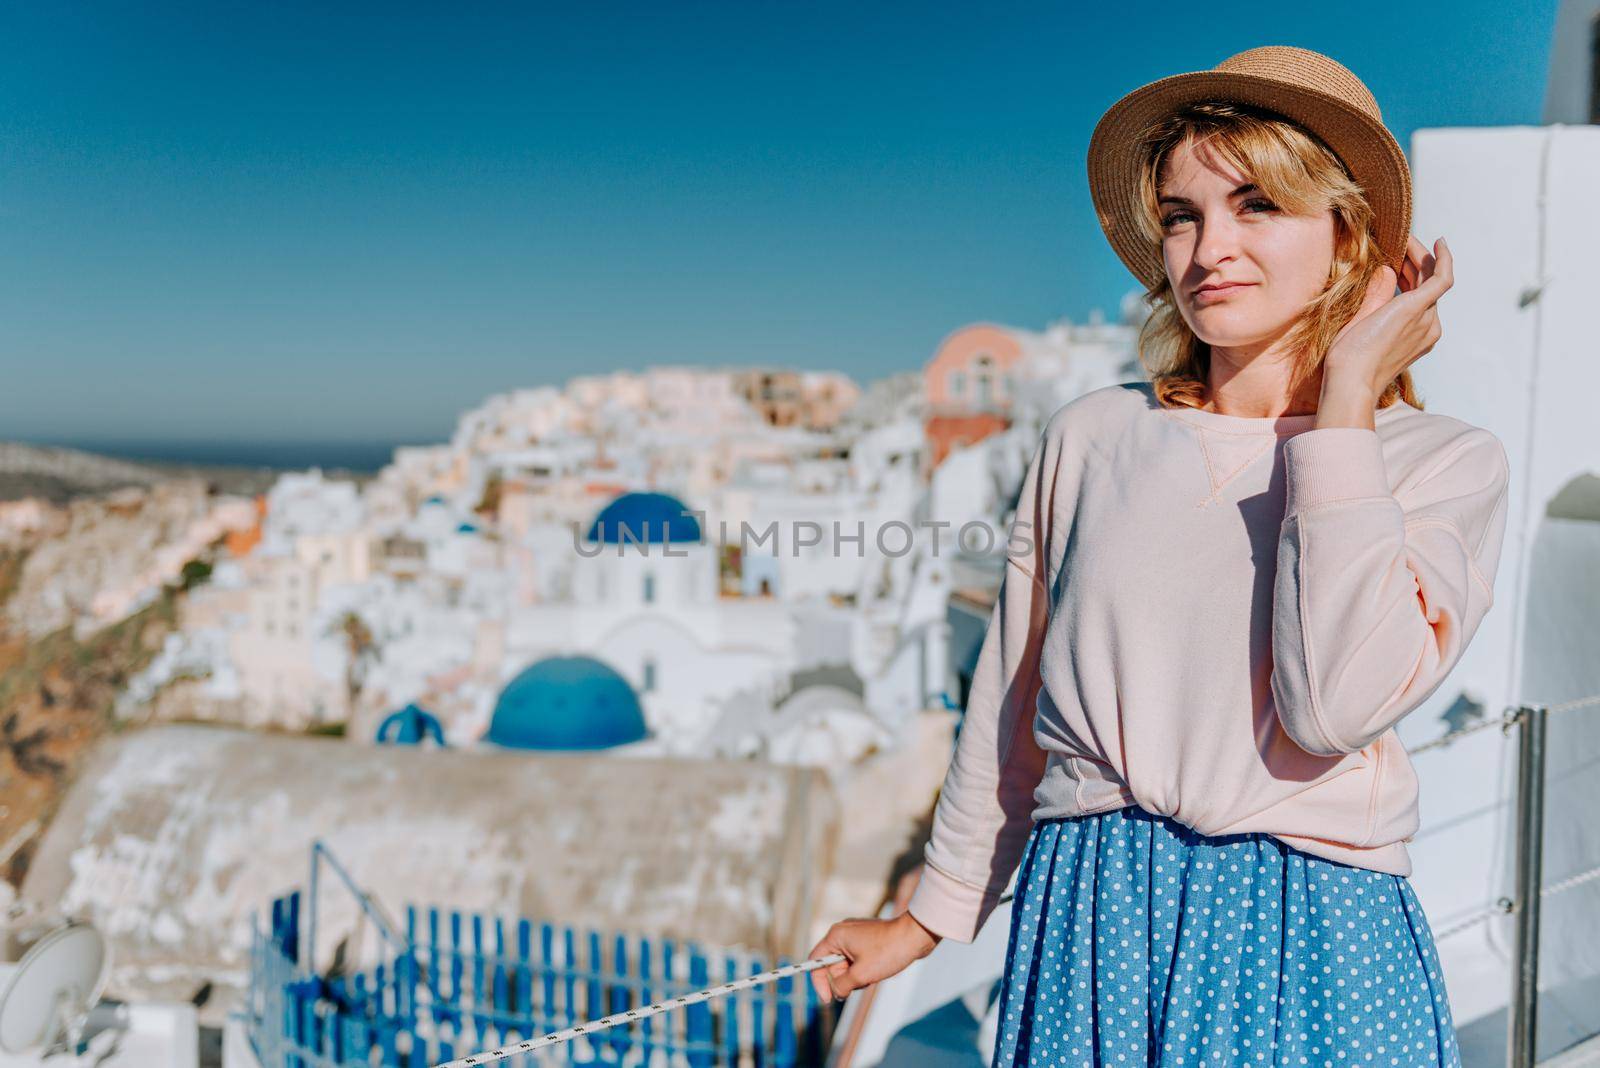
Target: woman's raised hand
[[873, 950], [1391, 331]]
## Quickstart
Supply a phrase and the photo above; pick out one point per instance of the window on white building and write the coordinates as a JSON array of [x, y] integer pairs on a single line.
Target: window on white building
[[649, 676], [649, 587]]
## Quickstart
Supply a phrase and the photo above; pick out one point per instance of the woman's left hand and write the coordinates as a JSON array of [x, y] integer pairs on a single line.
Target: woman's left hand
[[1391, 331]]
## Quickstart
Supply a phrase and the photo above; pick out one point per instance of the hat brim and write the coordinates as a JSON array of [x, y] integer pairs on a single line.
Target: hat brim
[[1366, 146]]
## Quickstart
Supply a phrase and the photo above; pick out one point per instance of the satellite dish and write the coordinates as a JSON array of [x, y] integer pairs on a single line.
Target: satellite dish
[[51, 990]]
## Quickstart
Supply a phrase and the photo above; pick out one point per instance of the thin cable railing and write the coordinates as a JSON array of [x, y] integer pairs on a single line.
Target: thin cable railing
[[1505, 906], [1511, 718], [1526, 902], [1505, 722]]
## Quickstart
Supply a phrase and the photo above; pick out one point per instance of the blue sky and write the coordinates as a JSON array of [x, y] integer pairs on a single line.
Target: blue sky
[[273, 222]]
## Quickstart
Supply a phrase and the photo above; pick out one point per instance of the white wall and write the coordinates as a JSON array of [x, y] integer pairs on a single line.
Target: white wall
[[1516, 205]]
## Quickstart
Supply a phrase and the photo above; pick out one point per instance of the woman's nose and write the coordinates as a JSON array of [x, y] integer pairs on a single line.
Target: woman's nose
[[1217, 243]]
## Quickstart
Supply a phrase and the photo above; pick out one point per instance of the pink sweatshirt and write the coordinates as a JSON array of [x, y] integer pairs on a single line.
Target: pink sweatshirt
[[1219, 619]]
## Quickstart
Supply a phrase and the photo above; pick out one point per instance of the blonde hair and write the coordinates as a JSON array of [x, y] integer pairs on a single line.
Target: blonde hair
[[1299, 173]]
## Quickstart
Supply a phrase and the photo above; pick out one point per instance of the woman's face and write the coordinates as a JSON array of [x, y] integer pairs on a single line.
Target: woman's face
[[1219, 230]]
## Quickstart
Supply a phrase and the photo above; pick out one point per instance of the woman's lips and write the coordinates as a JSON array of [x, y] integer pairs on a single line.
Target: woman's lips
[[1207, 296]]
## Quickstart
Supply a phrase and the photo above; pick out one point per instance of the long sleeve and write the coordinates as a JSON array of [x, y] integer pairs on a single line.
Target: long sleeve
[[1378, 591], [984, 814]]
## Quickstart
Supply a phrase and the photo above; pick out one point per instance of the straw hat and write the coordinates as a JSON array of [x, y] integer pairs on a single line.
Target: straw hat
[[1299, 84]]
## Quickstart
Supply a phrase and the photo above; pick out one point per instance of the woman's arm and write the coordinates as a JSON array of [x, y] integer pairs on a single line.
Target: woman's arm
[[984, 815], [1377, 594]]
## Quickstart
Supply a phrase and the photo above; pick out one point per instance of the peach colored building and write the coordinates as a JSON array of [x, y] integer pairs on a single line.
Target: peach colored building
[[826, 396], [777, 395], [970, 385]]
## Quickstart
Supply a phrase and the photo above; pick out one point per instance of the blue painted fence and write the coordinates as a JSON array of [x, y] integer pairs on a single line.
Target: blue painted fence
[[465, 983]]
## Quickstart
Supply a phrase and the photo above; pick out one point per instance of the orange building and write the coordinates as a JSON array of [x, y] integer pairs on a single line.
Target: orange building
[[240, 542], [970, 385]]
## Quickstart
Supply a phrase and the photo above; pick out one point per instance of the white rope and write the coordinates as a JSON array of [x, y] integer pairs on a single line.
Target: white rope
[[1582, 702], [1505, 722], [1570, 881], [1471, 921], [567, 1035], [1506, 906]]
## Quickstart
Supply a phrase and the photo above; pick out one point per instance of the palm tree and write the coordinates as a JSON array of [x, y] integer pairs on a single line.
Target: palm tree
[[360, 651]]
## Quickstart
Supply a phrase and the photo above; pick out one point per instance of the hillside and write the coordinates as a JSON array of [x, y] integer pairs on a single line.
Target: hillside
[[60, 474]]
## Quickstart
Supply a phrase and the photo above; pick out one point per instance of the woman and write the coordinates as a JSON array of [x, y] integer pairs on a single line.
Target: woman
[[1223, 590]]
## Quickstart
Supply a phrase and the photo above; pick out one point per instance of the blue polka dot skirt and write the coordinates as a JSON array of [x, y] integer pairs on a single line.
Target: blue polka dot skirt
[[1138, 941]]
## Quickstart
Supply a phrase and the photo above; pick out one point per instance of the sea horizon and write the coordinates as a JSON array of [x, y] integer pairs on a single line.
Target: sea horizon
[[360, 456]]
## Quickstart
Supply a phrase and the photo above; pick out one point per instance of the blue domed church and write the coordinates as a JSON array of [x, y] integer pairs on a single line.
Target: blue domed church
[[644, 552], [567, 702], [644, 518]]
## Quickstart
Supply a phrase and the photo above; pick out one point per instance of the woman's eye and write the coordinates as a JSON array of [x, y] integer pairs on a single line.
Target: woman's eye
[[1266, 205]]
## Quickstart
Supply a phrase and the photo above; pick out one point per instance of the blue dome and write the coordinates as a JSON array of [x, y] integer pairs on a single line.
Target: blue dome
[[567, 702], [409, 726], [466, 528], [646, 518]]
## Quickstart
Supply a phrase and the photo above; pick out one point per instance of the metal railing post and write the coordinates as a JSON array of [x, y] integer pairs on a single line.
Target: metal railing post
[[1522, 1032], [310, 946]]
